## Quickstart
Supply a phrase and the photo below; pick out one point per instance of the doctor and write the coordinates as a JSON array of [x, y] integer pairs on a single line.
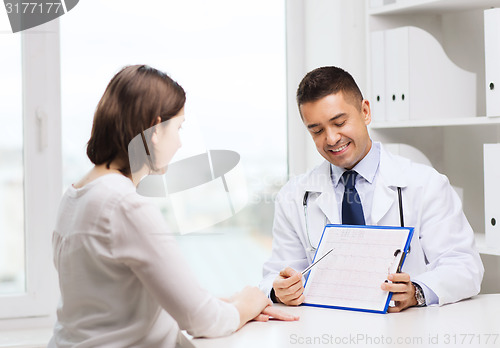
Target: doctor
[[442, 267]]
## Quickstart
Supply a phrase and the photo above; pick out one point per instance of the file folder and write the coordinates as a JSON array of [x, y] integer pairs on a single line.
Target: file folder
[[350, 276], [492, 61], [376, 3], [421, 82], [378, 94], [492, 194], [397, 65]]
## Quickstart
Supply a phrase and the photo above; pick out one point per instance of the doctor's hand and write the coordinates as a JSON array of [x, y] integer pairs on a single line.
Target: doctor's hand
[[288, 287], [403, 291]]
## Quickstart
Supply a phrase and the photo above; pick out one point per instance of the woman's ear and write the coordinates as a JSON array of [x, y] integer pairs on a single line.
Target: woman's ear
[[154, 135]]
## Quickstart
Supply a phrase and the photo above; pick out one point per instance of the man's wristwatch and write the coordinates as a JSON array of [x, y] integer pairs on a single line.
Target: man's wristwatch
[[419, 295], [273, 297]]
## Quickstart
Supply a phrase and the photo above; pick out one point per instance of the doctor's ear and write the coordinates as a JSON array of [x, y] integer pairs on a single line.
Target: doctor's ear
[[366, 111]]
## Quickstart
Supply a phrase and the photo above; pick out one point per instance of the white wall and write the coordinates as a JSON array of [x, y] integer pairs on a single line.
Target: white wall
[[320, 33]]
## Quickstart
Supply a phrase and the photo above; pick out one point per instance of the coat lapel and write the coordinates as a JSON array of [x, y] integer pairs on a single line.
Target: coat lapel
[[390, 177], [327, 202], [321, 184]]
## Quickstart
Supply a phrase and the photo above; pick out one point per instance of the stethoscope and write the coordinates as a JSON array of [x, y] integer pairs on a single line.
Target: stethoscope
[[304, 203]]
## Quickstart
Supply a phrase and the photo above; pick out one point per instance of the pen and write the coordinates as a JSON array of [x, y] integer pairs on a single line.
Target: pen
[[315, 262], [401, 263]]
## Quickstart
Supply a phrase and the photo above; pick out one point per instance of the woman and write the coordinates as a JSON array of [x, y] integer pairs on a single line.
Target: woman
[[123, 280]]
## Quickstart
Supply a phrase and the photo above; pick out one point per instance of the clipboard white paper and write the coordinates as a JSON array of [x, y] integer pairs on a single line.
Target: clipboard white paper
[[351, 276]]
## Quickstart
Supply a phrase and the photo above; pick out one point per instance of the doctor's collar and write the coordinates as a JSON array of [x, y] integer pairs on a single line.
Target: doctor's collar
[[366, 168]]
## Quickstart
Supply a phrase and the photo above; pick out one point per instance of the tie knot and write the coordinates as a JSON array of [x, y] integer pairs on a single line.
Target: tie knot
[[349, 178]]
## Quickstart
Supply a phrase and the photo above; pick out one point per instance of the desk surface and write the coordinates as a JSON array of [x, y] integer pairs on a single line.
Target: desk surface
[[470, 323]]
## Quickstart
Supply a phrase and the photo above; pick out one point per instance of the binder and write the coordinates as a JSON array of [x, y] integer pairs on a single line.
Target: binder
[[492, 194], [397, 61], [350, 277], [376, 3], [491, 61], [421, 81], [378, 94]]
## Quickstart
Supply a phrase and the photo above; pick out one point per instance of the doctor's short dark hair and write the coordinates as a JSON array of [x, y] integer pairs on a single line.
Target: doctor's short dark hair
[[325, 81], [131, 103]]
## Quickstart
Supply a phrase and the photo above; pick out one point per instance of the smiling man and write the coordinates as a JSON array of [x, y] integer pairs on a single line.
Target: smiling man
[[358, 185]]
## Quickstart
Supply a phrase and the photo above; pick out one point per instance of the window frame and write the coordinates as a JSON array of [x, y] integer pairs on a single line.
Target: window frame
[[42, 171]]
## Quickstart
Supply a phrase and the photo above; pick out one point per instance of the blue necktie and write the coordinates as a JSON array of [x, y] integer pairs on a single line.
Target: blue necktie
[[352, 210]]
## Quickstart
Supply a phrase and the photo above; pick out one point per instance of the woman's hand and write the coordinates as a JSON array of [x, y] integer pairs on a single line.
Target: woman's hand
[[275, 313], [252, 304]]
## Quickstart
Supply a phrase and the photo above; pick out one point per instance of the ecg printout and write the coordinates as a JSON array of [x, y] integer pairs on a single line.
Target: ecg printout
[[351, 275]]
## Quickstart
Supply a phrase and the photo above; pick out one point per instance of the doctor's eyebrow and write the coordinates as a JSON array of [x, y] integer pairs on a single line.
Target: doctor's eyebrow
[[309, 126]]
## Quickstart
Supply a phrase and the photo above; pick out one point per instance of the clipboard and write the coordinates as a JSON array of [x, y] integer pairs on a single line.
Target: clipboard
[[350, 276]]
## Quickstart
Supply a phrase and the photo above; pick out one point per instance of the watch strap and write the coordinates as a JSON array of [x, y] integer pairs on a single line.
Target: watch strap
[[419, 295], [272, 296]]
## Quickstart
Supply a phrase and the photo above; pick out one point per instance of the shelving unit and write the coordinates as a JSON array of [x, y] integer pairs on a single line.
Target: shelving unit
[[454, 145], [430, 6], [483, 248], [446, 122]]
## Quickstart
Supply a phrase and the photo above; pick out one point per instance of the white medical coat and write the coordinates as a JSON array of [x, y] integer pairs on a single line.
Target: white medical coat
[[443, 255]]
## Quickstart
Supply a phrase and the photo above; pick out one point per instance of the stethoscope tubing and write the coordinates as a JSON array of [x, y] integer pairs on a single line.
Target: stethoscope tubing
[[305, 201]]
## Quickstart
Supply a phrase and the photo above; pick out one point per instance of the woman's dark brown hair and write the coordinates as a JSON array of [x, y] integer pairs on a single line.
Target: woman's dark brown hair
[[132, 102]]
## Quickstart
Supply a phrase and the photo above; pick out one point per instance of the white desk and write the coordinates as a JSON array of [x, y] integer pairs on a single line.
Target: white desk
[[470, 323]]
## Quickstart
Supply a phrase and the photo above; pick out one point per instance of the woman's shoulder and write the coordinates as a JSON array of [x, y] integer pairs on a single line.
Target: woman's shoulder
[[123, 192], [123, 197], [109, 203], [109, 185], [104, 193]]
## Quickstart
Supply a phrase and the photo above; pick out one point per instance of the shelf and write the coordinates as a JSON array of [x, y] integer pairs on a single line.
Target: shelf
[[444, 122], [432, 6], [28, 338], [483, 248]]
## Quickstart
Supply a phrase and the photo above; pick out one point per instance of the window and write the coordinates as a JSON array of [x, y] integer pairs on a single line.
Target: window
[[30, 180], [230, 58], [12, 253]]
